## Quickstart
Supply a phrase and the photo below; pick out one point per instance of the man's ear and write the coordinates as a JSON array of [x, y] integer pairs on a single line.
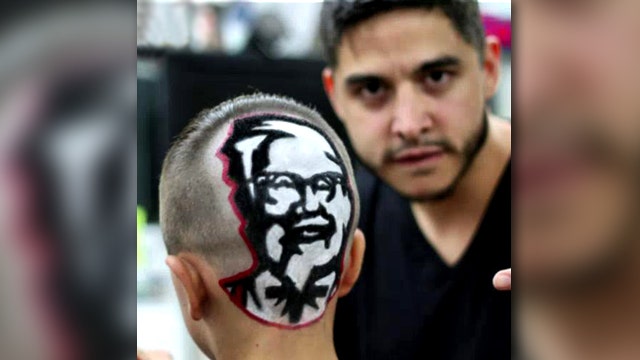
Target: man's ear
[[187, 275], [329, 86], [351, 272], [491, 66]]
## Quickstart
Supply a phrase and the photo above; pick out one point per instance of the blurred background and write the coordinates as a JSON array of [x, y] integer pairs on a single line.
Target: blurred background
[[193, 55], [67, 188]]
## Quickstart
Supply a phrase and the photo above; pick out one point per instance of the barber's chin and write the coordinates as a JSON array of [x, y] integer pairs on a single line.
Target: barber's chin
[[421, 186], [425, 192]]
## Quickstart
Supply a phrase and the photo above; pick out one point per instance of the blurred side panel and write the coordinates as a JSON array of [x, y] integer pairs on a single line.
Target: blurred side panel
[[67, 181]]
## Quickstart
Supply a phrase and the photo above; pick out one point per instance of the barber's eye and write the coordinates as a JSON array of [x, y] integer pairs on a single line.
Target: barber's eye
[[437, 80], [372, 91], [372, 87]]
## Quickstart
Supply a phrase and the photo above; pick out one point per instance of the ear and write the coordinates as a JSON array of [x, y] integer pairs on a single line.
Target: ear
[[491, 66], [329, 86], [189, 278], [351, 272]]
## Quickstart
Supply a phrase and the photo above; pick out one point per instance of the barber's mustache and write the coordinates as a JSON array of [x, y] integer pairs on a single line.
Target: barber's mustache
[[445, 145]]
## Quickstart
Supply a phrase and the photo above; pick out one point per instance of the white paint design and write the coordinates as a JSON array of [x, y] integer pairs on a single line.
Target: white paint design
[[246, 148], [285, 198], [274, 248], [269, 310], [306, 202], [311, 313], [273, 313]]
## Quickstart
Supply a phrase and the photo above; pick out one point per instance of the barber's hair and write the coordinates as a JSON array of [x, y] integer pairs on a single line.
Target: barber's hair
[[196, 210], [338, 16]]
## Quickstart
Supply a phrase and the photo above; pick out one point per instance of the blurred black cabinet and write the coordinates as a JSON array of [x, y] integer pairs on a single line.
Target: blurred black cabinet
[[188, 83]]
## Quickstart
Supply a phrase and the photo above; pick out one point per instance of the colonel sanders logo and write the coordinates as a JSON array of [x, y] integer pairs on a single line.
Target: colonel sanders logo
[[290, 190]]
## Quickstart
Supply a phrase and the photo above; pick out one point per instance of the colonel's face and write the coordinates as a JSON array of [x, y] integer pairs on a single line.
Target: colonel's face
[[293, 192], [304, 200]]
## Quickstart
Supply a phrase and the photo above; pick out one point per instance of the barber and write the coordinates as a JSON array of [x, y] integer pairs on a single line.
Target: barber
[[410, 81]]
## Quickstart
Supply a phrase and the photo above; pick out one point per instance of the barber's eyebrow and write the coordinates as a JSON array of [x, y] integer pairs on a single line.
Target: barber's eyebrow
[[359, 79], [438, 63], [425, 67]]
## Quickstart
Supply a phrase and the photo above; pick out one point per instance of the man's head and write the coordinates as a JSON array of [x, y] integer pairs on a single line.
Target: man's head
[[410, 79], [258, 207], [578, 166]]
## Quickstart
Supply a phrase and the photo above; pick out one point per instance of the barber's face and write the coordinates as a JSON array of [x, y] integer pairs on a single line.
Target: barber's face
[[411, 94], [306, 199], [578, 165]]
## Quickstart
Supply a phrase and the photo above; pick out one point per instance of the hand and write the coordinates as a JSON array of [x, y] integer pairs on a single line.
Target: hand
[[502, 280], [153, 355]]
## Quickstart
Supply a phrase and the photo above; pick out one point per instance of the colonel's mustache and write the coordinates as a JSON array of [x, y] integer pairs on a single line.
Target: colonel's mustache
[[300, 228]]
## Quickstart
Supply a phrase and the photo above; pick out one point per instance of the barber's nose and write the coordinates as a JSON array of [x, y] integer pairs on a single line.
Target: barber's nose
[[310, 201], [410, 114]]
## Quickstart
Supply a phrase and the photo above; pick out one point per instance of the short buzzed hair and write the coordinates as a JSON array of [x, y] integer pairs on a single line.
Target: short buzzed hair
[[195, 210]]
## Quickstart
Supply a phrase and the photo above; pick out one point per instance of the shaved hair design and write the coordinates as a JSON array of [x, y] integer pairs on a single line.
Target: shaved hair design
[[264, 188]]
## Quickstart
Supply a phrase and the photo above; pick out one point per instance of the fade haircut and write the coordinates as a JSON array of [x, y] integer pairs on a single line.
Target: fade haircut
[[338, 16], [196, 210]]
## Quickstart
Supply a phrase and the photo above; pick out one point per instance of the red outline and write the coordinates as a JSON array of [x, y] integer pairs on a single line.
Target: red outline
[[236, 298]]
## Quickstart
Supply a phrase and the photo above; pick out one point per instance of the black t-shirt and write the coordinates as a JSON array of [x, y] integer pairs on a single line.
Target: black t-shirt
[[408, 303]]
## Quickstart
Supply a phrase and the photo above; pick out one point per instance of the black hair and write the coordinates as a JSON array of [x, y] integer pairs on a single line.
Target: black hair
[[338, 16]]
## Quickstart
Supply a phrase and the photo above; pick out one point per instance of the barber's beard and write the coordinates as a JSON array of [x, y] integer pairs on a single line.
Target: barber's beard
[[467, 154]]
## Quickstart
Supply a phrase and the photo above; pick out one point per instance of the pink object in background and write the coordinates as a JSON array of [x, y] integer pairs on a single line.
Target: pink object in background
[[498, 27]]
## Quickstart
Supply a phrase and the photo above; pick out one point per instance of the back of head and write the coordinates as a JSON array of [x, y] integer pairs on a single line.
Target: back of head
[[263, 189]]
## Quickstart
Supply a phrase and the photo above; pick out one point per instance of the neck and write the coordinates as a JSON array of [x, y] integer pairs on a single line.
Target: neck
[[449, 223], [596, 323], [265, 343]]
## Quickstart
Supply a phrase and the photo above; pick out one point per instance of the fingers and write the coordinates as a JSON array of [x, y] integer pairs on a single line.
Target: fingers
[[141, 355], [153, 355], [502, 280], [159, 355]]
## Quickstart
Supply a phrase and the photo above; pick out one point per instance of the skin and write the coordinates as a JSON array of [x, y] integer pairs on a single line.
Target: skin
[[153, 355], [577, 175], [502, 280], [411, 93]]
